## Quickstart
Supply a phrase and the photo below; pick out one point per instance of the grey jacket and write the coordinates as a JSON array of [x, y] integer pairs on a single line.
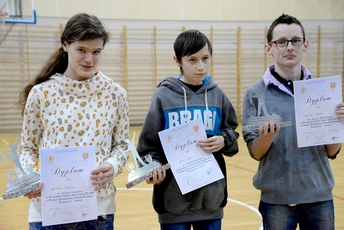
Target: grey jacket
[[286, 174]]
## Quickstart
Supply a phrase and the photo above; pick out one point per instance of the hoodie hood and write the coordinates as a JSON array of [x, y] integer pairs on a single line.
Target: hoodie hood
[[177, 85], [180, 104]]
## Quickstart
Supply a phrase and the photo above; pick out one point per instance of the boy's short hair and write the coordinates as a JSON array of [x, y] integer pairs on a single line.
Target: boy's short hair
[[283, 19], [190, 42]]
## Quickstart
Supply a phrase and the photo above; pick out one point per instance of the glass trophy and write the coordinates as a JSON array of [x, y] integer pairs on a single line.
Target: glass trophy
[[261, 115], [142, 168], [20, 181]]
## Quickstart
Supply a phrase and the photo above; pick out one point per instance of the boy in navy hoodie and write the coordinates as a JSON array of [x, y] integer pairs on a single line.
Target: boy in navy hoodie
[[178, 100]]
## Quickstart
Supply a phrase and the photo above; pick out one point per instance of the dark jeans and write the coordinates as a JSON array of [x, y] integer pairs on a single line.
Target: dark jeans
[[102, 223], [313, 216], [196, 225]]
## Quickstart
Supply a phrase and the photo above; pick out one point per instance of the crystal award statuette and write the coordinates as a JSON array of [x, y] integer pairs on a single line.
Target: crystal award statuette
[[142, 168], [20, 182], [261, 115]]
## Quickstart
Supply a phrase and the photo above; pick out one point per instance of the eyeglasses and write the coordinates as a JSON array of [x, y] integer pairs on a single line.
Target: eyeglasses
[[285, 42]]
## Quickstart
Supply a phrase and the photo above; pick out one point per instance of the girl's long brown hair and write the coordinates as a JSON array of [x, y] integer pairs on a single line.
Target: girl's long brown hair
[[80, 27]]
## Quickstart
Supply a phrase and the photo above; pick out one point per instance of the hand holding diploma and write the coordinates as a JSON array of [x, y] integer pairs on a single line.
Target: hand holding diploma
[[102, 175], [332, 149], [68, 194], [319, 111], [212, 144], [340, 111], [188, 151]]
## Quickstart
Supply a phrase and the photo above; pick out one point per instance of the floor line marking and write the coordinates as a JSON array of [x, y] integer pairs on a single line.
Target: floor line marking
[[229, 199]]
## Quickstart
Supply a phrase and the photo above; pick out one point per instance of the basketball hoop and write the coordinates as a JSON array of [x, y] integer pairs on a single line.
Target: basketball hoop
[[3, 17]]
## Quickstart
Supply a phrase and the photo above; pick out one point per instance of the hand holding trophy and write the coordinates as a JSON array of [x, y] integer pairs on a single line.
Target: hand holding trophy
[[258, 115], [142, 168]]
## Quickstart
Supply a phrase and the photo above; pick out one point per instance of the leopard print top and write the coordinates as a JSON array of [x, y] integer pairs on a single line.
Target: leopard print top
[[62, 112]]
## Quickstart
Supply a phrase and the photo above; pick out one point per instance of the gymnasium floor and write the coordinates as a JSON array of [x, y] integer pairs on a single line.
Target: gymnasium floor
[[134, 209]]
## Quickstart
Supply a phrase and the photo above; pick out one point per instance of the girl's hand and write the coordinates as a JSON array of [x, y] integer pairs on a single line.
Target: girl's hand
[[102, 175], [35, 193]]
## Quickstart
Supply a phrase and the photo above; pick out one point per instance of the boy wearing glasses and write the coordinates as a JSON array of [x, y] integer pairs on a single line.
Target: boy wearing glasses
[[296, 183]]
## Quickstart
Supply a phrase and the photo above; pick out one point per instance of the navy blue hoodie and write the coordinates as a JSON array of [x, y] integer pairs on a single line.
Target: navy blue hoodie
[[173, 104]]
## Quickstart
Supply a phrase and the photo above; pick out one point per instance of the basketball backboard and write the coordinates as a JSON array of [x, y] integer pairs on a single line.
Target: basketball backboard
[[18, 11]]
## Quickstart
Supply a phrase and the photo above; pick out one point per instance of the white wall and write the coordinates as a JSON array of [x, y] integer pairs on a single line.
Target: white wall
[[193, 9]]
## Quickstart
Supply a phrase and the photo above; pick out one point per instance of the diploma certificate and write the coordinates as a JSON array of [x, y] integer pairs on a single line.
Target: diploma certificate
[[191, 166], [315, 105], [68, 194]]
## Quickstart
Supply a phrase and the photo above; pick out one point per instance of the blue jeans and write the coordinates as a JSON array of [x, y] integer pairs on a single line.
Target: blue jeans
[[196, 225], [102, 223], [313, 216]]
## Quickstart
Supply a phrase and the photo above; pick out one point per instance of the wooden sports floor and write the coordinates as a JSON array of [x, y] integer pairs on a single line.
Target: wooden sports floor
[[134, 209]]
